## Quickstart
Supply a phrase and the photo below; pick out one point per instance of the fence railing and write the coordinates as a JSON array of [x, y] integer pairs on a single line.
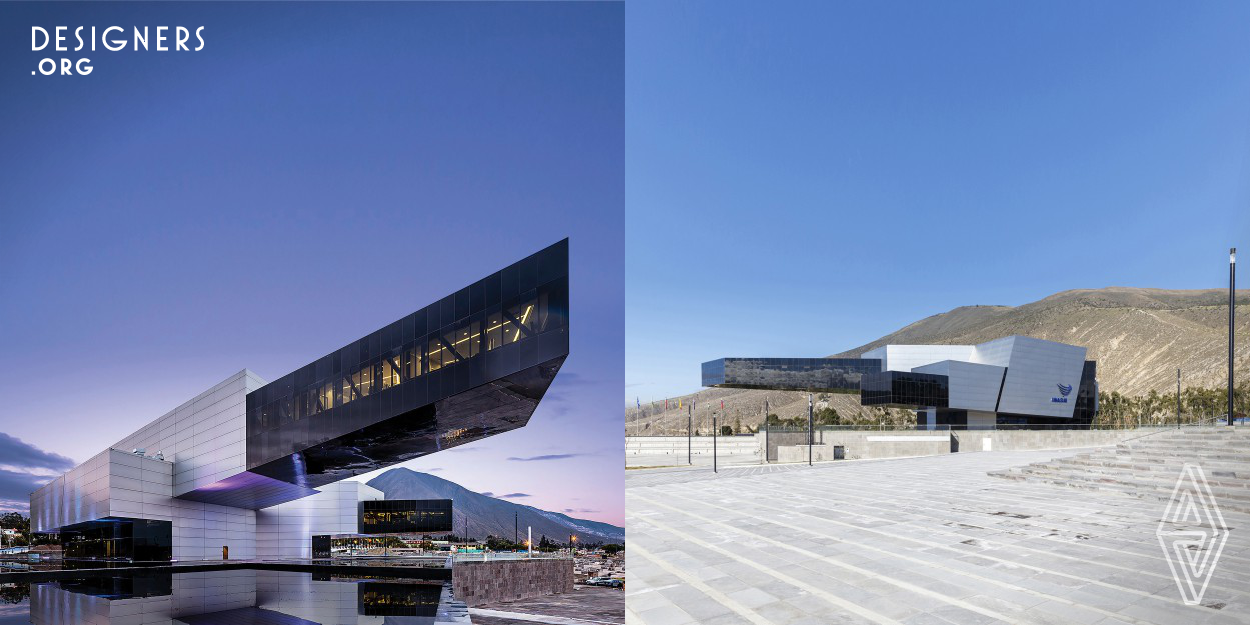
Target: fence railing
[[1153, 423]]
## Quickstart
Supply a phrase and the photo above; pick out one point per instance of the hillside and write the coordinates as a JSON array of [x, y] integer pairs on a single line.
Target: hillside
[[1138, 336], [491, 516]]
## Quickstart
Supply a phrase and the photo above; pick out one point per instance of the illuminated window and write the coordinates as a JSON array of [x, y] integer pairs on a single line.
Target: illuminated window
[[412, 363], [327, 396], [345, 393], [494, 331], [390, 371], [438, 355], [517, 319]]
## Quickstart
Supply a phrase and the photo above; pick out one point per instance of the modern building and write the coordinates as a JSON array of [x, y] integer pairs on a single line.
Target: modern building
[[211, 477], [1012, 380]]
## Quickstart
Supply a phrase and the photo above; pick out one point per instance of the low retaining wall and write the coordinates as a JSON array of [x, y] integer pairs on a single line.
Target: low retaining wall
[[861, 444], [476, 583], [651, 451], [1021, 440]]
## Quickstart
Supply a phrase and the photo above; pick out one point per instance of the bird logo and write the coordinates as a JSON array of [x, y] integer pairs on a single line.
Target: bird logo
[[1064, 390]]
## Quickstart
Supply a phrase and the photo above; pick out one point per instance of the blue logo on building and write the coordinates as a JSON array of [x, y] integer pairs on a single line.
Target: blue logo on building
[[1063, 390]]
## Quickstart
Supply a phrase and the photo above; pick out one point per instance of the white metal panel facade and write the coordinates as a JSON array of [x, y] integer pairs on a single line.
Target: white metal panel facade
[[1035, 372], [971, 386], [284, 530]]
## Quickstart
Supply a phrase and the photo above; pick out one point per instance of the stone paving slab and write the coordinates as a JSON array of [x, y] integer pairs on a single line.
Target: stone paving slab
[[585, 605], [931, 540]]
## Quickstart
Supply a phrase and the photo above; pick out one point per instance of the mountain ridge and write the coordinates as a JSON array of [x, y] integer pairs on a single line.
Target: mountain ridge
[[1139, 336], [490, 515]]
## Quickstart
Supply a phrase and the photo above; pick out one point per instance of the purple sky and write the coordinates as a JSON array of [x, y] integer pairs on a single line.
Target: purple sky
[[316, 172]]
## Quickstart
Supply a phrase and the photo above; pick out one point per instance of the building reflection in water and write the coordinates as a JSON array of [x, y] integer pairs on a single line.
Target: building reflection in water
[[243, 597]]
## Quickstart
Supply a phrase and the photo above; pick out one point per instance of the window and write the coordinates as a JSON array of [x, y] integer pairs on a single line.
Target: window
[[412, 363], [494, 330], [436, 354], [390, 371], [326, 396]]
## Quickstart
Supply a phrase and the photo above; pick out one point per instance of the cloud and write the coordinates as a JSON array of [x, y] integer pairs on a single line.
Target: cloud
[[514, 495], [16, 487], [487, 493], [545, 457], [19, 454], [23, 469], [579, 511]]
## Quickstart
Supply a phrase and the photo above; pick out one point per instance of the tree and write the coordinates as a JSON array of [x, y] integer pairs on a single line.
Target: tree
[[726, 430], [613, 549]]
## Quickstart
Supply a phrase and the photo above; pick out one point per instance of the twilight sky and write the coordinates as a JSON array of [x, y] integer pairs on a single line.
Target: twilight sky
[[316, 172], [805, 177]]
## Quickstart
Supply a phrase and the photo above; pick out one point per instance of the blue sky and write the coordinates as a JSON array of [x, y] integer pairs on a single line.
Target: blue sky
[[802, 178], [316, 172]]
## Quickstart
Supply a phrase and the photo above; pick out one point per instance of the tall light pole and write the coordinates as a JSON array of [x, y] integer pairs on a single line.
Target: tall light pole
[[811, 439], [1178, 398], [1232, 308]]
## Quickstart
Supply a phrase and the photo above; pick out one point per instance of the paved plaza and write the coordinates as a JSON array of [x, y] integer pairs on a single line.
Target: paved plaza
[[586, 605], [921, 541]]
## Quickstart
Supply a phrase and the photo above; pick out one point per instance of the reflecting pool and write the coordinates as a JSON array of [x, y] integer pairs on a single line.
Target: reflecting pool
[[231, 597]]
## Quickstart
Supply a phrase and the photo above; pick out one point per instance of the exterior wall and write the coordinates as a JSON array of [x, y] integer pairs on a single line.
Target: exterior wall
[[204, 437], [202, 529], [112, 483], [1035, 370], [656, 451], [908, 357], [285, 531], [1018, 440], [972, 386], [201, 441], [859, 445], [982, 420], [476, 583]]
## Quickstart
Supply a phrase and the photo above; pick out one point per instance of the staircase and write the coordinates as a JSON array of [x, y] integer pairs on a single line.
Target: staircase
[[1148, 467]]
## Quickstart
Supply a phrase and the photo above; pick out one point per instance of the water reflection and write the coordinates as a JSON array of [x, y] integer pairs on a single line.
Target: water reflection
[[242, 597]]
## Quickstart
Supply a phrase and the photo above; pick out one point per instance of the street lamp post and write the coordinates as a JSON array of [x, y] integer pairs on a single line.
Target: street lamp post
[[811, 439], [714, 433], [1232, 309], [1178, 398]]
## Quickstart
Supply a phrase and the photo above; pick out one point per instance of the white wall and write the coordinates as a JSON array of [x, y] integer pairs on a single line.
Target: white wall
[[285, 530], [205, 437], [1035, 370], [202, 442], [972, 386], [908, 357]]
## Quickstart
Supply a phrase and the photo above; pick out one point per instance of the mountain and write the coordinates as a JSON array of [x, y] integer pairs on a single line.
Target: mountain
[[490, 516], [1138, 336]]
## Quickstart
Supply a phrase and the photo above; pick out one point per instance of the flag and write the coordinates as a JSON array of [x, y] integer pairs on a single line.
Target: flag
[[722, 404], [679, 403], [637, 402]]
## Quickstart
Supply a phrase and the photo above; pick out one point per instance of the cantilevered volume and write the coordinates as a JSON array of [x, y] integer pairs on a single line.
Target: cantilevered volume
[[474, 364]]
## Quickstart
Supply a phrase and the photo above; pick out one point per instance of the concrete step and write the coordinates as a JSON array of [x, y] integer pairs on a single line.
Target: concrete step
[[1227, 504], [1231, 487], [1227, 470]]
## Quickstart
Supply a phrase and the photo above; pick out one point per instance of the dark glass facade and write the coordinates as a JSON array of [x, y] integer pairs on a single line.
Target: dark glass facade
[[397, 599], [837, 375], [1086, 407], [471, 365], [397, 516], [321, 545], [133, 585], [904, 389], [138, 540]]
